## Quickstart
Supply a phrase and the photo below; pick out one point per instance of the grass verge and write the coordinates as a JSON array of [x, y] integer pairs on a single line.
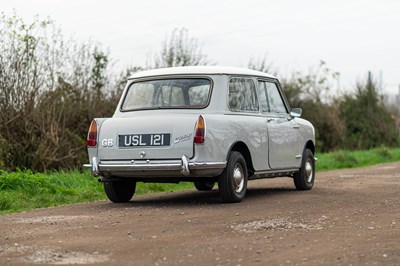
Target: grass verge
[[351, 159], [25, 190]]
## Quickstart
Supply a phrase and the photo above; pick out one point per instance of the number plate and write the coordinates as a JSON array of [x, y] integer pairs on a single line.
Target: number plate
[[144, 140]]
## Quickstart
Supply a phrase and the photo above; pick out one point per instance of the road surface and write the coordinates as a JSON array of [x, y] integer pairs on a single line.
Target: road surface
[[350, 217]]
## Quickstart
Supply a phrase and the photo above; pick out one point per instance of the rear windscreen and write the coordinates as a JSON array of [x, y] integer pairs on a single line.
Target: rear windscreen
[[167, 93]]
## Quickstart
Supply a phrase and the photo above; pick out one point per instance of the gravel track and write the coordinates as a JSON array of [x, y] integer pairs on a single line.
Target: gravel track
[[350, 217]]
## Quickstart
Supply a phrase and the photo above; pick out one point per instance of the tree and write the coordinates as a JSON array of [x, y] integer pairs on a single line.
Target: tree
[[260, 64], [367, 121], [180, 50], [99, 77], [311, 92]]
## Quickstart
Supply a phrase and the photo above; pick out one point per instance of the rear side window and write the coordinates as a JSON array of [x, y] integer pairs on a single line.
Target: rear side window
[[167, 93], [197, 94], [242, 95]]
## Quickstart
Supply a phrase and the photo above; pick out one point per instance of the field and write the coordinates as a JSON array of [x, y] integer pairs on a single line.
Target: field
[[24, 190]]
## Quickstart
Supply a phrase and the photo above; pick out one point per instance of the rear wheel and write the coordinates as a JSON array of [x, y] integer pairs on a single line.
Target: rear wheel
[[304, 179], [204, 185], [120, 191], [232, 183]]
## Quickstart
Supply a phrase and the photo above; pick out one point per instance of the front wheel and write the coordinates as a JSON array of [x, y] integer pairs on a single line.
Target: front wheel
[[120, 191], [232, 183], [304, 179]]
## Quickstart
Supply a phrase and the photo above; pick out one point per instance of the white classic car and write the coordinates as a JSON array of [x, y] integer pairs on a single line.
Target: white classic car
[[202, 125]]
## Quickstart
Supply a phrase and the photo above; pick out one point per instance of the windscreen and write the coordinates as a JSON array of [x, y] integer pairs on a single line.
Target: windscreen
[[167, 93]]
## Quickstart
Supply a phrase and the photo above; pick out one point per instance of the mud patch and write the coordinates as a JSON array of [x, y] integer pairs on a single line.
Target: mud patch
[[33, 255], [47, 219], [64, 257], [14, 250], [274, 224], [346, 176], [387, 167]]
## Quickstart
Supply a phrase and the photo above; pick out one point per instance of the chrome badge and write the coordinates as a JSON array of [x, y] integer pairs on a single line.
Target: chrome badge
[[183, 138]]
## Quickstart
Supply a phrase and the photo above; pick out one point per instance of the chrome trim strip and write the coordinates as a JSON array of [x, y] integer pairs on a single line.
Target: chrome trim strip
[[182, 166], [273, 173], [207, 165], [276, 171]]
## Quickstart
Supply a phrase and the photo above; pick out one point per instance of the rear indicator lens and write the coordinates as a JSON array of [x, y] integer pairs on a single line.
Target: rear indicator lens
[[92, 135], [200, 131]]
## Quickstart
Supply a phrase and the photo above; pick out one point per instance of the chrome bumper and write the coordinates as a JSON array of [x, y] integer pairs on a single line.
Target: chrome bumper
[[183, 166]]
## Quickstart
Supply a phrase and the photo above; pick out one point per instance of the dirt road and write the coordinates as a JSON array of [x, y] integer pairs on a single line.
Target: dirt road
[[351, 217]]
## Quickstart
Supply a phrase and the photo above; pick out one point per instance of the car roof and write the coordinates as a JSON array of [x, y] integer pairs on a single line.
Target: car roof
[[195, 70]]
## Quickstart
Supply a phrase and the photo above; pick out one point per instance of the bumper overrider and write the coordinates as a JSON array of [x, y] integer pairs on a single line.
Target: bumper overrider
[[143, 168]]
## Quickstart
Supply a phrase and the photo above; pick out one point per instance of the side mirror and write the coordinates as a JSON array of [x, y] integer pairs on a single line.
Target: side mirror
[[296, 112]]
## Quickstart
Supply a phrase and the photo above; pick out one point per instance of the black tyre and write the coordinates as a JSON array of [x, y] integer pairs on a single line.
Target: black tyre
[[304, 179], [232, 183], [120, 191], [204, 185]]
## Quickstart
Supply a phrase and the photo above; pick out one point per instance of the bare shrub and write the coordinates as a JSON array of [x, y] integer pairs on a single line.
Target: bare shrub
[[50, 89], [368, 122], [180, 50], [312, 93]]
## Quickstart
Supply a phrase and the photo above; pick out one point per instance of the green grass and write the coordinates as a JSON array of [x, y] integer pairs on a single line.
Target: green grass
[[25, 190], [350, 159]]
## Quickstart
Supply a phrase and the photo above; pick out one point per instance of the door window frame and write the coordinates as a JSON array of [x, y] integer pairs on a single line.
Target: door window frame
[[283, 97]]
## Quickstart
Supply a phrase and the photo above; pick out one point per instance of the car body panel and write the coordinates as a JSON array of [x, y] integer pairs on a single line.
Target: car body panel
[[283, 142], [180, 143]]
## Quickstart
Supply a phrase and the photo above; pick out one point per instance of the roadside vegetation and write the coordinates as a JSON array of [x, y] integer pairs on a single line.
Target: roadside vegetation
[[351, 159], [26, 190], [51, 87]]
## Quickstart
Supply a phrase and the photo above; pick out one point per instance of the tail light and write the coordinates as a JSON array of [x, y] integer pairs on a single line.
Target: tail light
[[91, 140], [200, 131]]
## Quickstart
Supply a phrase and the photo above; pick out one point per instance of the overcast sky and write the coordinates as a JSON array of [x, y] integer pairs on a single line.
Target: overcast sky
[[351, 36]]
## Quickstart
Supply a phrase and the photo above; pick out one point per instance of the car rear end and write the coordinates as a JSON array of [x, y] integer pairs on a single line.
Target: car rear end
[[155, 131]]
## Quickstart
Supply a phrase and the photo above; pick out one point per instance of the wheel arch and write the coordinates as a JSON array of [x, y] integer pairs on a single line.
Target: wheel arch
[[310, 145], [241, 147]]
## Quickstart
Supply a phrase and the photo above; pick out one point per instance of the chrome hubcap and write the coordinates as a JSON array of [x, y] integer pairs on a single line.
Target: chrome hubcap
[[238, 177], [309, 171]]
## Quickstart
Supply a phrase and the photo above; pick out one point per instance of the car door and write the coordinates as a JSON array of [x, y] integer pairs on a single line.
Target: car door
[[282, 128], [248, 125]]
